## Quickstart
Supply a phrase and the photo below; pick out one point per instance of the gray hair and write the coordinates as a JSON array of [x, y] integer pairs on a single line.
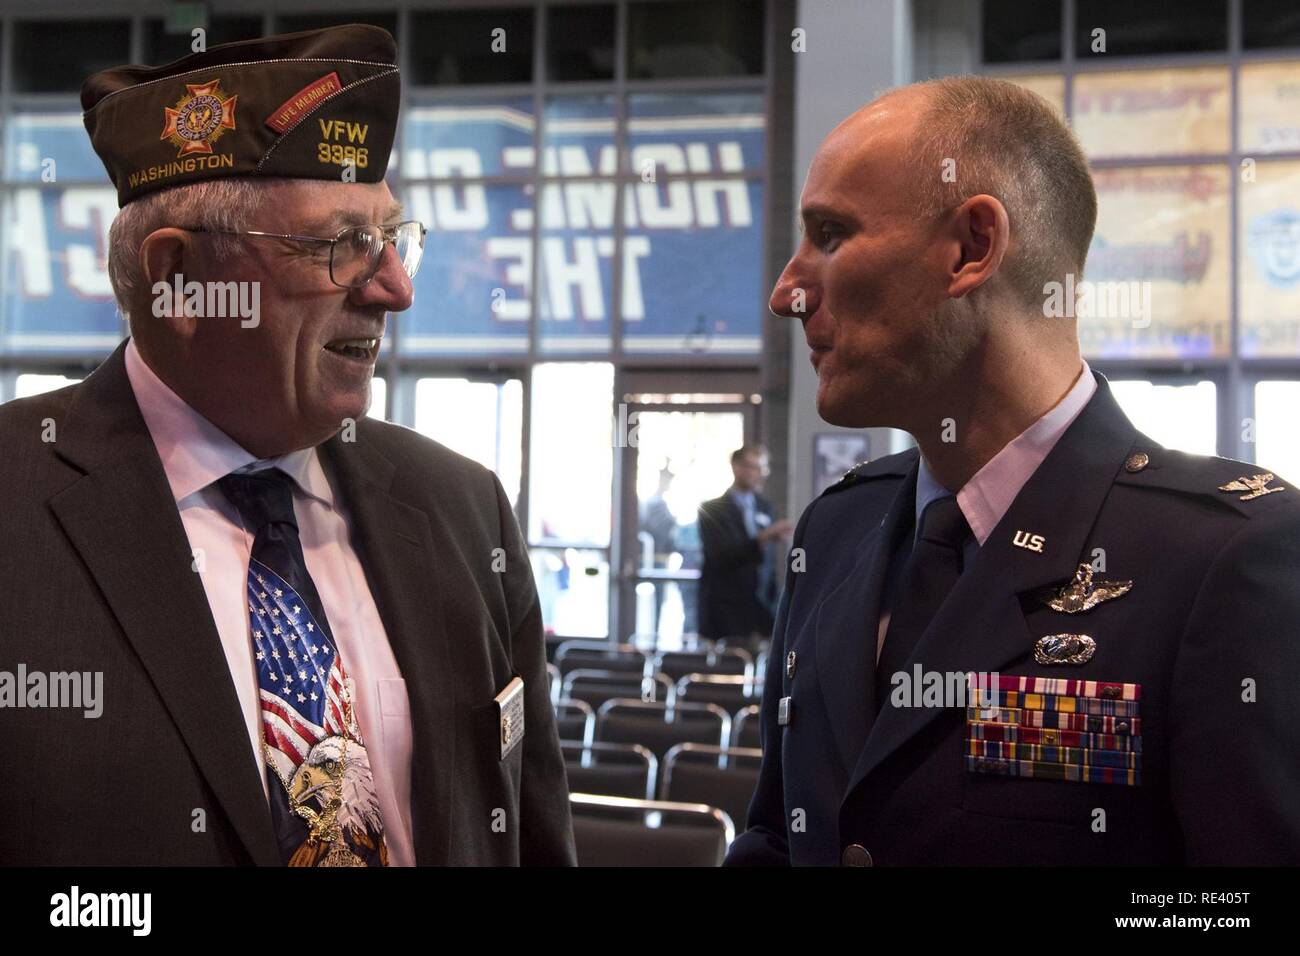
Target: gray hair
[[1009, 143], [218, 204]]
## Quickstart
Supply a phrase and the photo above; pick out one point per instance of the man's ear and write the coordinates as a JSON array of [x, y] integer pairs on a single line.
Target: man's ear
[[982, 232], [162, 258]]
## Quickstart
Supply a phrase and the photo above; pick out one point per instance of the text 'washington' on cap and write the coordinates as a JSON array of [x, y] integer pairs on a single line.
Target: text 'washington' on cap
[[321, 104]]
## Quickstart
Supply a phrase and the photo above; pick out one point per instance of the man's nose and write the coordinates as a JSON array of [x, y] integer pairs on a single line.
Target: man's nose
[[391, 287], [794, 296]]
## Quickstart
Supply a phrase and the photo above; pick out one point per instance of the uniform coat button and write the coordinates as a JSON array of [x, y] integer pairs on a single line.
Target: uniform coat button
[[856, 855], [1136, 462]]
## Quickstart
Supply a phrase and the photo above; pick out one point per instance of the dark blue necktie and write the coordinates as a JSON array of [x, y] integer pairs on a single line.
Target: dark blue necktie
[[323, 800], [930, 574]]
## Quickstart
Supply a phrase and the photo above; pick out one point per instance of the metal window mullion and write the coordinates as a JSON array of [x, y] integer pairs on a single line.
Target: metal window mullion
[[6, 114], [526, 452], [1068, 63], [620, 157], [1230, 444], [394, 367], [616, 611], [539, 112]]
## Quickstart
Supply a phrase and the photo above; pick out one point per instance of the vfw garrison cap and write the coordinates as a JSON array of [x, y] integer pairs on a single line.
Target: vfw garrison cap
[[321, 104]]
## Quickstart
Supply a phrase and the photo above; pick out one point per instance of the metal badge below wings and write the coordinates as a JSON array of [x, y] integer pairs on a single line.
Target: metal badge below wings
[[1064, 649]]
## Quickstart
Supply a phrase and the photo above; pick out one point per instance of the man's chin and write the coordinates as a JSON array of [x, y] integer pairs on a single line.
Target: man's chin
[[842, 411]]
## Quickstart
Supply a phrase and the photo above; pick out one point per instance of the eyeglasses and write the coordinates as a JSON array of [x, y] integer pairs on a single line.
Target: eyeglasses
[[355, 253]]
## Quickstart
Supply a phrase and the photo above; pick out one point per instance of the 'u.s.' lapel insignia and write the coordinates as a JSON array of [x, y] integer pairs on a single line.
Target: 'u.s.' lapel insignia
[[1083, 593], [1255, 485], [1064, 649]]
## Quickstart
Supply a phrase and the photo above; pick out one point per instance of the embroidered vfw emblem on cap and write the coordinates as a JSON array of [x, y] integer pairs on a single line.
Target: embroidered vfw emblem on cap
[[199, 119]]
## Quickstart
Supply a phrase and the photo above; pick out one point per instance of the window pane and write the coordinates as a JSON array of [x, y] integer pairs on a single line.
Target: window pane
[[578, 135], [1270, 106], [457, 47], [692, 272], [1269, 280], [1276, 447], [1139, 113], [1050, 86], [295, 22], [697, 38], [480, 420], [1164, 228], [57, 296], [56, 56], [472, 293], [573, 587], [50, 145], [1137, 29], [33, 383], [1270, 23], [162, 46], [378, 398], [580, 43], [1177, 416], [576, 271], [1020, 30], [695, 133], [447, 140], [572, 461]]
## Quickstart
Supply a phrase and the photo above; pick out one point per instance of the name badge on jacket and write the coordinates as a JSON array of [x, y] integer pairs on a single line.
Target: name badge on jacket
[[510, 716], [1051, 728]]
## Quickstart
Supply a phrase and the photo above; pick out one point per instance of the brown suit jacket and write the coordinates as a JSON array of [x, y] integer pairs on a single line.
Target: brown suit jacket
[[95, 575]]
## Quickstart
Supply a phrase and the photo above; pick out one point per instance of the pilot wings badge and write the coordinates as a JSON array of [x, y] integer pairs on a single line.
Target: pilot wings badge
[[1255, 485], [1083, 593]]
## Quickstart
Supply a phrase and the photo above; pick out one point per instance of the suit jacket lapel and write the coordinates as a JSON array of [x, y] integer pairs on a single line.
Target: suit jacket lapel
[[846, 626], [395, 543], [981, 626], [121, 518]]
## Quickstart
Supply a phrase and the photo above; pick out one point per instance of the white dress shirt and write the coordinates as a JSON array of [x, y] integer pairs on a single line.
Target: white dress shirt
[[195, 454]]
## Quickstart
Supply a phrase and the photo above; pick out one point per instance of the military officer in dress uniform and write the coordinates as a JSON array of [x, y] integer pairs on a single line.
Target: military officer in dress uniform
[[1040, 638]]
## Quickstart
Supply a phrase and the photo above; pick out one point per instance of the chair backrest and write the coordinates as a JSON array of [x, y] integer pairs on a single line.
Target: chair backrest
[[614, 770], [596, 687], [661, 726], [575, 720], [746, 731], [601, 655], [553, 683], [724, 777], [615, 831], [731, 692], [677, 664]]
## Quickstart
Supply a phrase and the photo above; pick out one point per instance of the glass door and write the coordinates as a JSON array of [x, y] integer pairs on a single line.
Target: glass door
[[677, 456]]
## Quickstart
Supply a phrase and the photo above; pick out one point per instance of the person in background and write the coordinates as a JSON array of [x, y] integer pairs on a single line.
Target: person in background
[[738, 585]]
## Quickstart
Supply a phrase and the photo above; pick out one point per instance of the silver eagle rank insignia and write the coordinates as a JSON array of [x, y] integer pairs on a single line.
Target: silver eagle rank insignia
[[1256, 485]]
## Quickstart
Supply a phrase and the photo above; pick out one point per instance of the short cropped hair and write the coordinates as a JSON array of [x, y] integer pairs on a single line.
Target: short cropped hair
[[744, 451], [216, 204], [1010, 143]]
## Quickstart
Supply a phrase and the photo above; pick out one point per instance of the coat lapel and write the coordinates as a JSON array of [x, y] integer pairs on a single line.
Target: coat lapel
[[395, 543], [846, 627], [981, 626], [121, 518]]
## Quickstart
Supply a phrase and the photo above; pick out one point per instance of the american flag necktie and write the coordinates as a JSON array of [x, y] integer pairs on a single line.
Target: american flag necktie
[[323, 801]]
